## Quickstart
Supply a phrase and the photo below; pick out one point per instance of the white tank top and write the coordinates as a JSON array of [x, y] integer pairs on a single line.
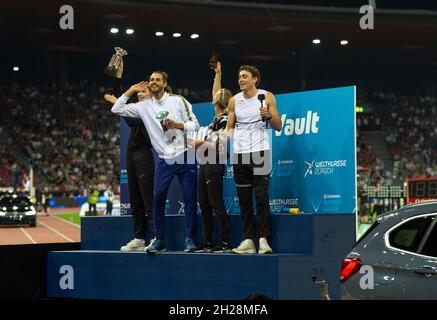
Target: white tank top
[[250, 134]]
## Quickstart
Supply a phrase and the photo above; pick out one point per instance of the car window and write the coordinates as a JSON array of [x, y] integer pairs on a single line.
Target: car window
[[18, 201], [430, 248], [367, 232], [408, 235]]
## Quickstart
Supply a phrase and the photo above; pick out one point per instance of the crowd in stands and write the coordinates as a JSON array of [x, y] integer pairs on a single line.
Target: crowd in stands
[[412, 132], [72, 139], [68, 134], [12, 171]]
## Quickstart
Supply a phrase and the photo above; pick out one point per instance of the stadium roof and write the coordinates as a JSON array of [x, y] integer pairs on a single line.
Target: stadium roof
[[264, 30]]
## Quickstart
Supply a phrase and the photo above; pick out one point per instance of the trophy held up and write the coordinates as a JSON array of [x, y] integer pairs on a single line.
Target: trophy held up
[[115, 62]]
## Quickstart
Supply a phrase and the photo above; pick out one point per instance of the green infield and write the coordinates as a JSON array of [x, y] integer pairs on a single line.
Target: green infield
[[72, 217]]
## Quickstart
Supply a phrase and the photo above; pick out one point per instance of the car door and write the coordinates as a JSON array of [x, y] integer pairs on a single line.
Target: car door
[[422, 280], [405, 240]]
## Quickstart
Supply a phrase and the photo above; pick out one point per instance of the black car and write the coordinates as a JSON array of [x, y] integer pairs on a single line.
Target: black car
[[6, 193], [16, 209]]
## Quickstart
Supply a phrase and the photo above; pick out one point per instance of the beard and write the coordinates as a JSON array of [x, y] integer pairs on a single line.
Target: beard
[[156, 89]]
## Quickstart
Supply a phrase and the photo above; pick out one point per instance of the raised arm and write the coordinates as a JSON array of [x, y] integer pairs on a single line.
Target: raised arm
[[217, 79], [129, 110], [231, 118], [116, 91], [117, 79]]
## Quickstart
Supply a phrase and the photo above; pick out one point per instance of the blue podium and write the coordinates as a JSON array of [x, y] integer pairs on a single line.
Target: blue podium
[[305, 246], [313, 168]]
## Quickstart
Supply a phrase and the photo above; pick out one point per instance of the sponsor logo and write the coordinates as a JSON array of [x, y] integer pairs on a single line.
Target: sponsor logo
[[299, 126], [310, 168], [324, 167], [276, 205], [123, 176], [181, 208], [283, 162], [228, 201], [283, 168], [232, 204], [326, 203], [229, 173], [331, 196], [316, 202]]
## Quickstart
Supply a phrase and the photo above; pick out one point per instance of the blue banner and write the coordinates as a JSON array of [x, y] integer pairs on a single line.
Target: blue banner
[[313, 156]]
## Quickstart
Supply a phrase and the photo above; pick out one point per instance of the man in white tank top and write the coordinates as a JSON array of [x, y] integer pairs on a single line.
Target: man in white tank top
[[250, 113]]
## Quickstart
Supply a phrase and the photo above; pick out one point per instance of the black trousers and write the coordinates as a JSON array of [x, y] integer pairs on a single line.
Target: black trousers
[[92, 211], [140, 171], [108, 208], [210, 197], [252, 173]]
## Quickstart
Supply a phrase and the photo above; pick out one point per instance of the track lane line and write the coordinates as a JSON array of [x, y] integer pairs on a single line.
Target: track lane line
[[28, 236], [56, 231]]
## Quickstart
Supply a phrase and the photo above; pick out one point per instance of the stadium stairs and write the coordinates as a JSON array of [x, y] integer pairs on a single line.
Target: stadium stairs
[[376, 139]]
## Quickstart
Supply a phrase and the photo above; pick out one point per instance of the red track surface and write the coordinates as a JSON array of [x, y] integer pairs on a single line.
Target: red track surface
[[49, 229]]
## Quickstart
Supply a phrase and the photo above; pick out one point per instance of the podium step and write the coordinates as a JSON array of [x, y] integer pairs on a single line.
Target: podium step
[[178, 276], [292, 233], [305, 246]]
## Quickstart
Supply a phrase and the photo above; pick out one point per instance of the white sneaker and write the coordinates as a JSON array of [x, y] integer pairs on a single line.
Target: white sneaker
[[150, 243], [134, 245], [246, 246], [264, 247]]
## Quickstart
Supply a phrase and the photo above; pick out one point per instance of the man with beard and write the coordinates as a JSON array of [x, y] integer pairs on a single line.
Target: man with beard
[[170, 121]]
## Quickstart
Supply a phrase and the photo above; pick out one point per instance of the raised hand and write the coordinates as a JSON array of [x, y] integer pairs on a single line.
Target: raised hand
[[138, 87], [110, 98], [218, 67], [119, 72]]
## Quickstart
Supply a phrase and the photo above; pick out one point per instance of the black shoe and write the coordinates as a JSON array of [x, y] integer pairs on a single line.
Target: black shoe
[[205, 247], [223, 247]]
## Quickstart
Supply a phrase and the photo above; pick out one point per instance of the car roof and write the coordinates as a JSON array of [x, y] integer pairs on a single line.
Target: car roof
[[410, 210]]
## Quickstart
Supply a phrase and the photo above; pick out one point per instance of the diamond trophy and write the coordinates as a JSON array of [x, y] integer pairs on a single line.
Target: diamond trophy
[[162, 117], [115, 61]]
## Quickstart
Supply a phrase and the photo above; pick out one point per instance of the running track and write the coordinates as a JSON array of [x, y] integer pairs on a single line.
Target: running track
[[49, 229]]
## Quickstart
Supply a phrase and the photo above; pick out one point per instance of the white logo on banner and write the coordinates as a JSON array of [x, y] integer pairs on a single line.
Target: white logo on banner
[[324, 167], [310, 168], [181, 208], [316, 202], [299, 126], [326, 202]]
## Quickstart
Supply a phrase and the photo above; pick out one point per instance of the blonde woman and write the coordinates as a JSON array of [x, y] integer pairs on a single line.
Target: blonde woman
[[212, 169]]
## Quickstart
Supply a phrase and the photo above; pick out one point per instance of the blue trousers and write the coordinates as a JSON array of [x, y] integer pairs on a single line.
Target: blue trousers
[[187, 176]]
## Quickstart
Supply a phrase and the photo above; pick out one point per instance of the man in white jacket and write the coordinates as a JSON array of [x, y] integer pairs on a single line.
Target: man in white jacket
[[170, 121]]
